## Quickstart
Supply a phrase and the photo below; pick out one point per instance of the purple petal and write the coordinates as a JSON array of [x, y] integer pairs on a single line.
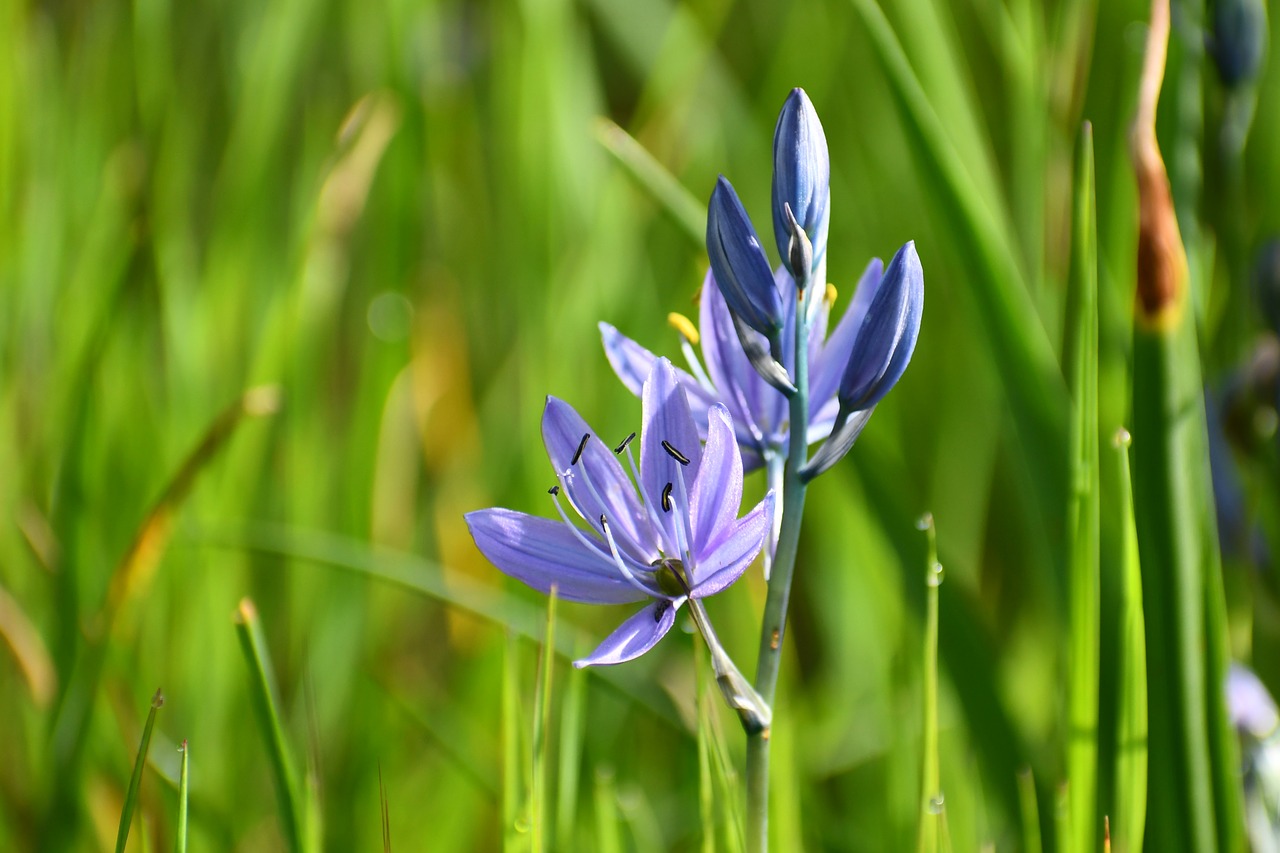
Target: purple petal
[[826, 370], [543, 553], [1249, 705], [739, 385], [596, 483], [633, 363], [634, 637], [667, 419], [716, 494], [730, 557]]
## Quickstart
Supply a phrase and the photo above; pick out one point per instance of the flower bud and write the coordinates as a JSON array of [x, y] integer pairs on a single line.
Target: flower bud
[[801, 179], [738, 261], [888, 334]]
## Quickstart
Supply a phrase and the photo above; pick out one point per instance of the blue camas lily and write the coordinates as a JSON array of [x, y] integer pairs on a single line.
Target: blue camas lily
[[671, 537]]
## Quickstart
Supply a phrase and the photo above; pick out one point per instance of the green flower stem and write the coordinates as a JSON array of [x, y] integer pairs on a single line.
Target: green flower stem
[[772, 627]]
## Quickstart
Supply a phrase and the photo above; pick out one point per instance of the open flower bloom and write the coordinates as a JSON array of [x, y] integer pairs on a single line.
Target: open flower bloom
[[671, 536], [760, 412]]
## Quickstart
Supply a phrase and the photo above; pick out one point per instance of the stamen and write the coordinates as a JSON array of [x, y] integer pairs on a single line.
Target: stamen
[[573, 528], [684, 326], [554, 490], [637, 547], [666, 498], [674, 454], [655, 524], [684, 539], [618, 561], [582, 445], [830, 295], [625, 442]]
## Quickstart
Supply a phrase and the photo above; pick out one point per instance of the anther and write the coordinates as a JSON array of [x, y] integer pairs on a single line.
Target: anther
[[582, 445], [553, 491], [604, 522], [674, 454], [666, 498], [684, 326], [625, 442], [660, 610]]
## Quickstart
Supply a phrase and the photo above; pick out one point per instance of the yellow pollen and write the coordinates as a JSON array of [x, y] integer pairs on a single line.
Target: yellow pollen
[[830, 295], [684, 326]]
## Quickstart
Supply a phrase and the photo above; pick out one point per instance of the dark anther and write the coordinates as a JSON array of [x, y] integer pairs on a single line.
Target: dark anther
[[660, 610], [666, 498], [625, 442], [553, 491], [582, 445], [674, 454], [604, 522]]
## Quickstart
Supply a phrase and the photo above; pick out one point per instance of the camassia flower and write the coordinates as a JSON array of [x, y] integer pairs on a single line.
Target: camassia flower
[[671, 537], [760, 411]]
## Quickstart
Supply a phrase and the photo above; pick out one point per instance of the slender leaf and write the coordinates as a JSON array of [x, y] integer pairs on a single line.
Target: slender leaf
[[1083, 524], [135, 781]]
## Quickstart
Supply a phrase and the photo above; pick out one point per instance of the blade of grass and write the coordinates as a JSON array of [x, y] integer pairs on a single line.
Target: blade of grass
[[1036, 394], [135, 781], [932, 803], [542, 728], [1083, 523], [572, 730], [262, 694], [608, 827], [1130, 806], [385, 812], [706, 793], [1031, 841], [180, 843], [686, 210], [511, 746]]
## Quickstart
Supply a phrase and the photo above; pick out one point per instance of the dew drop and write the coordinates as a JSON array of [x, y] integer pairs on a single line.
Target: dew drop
[[937, 804], [936, 574], [925, 521]]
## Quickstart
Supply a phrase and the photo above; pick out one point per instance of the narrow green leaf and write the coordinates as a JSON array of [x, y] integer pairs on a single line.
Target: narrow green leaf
[[511, 747], [572, 733], [542, 729], [262, 693], [654, 177], [135, 781], [608, 827], [180, 844], [1129, 812], [706, 793], [932, 803], [1083, 524], [1019, 343], [1031, 841]]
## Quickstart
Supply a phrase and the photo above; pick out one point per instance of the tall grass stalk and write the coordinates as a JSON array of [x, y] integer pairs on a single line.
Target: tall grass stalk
[[263, 694], [1083, 523], [135, 781], [932, 834]]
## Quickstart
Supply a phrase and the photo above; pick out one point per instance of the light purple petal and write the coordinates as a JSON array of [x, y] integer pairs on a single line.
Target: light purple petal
[[632, 363], [826, 370], [730, 557], [726, 363], [1249, 705], [596, 483], [542, 553], [634, 637], [666, 418], [716, 494]]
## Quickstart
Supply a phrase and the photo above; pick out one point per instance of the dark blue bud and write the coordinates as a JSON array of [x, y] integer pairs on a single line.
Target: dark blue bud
[[1239, 40], [739, 264], [888, 334], [801, 177]]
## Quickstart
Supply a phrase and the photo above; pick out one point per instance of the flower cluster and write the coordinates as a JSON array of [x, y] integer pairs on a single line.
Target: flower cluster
[[669, 532]]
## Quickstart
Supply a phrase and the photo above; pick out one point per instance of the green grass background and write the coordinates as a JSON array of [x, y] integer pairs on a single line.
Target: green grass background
[[402, 216]]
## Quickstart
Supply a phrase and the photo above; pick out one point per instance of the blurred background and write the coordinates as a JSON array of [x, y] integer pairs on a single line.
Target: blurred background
[[283, 287]]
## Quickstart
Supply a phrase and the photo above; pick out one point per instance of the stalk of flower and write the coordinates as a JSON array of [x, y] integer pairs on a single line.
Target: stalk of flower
[[670, 537]]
